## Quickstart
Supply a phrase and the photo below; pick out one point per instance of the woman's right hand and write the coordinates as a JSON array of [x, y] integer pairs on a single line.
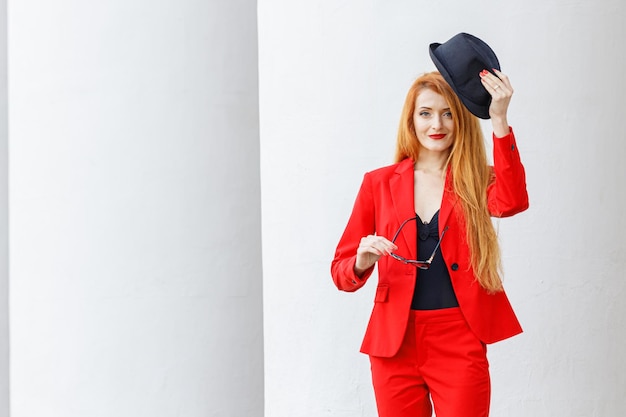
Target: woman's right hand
[[370, 249]]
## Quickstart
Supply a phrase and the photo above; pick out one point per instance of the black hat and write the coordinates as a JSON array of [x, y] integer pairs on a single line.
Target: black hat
[[460, 60]]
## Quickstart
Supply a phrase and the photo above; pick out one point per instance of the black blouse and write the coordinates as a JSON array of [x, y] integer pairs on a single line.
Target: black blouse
[[433, 288]]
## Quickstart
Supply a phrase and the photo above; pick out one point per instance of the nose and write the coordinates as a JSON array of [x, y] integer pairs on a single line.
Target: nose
[[437, 122]]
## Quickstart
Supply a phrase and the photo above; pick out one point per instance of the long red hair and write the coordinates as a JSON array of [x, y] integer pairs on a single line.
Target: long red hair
[[471, 175]]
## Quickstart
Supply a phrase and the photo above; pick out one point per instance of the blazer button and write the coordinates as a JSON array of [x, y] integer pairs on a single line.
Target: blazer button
[[455, 266], [354, 282]]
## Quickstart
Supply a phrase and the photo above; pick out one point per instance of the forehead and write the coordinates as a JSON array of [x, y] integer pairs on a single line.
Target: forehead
[[431, 99]]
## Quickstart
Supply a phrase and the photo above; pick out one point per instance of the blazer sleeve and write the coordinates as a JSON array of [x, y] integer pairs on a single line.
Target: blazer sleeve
[[361, 223], [507, 193]]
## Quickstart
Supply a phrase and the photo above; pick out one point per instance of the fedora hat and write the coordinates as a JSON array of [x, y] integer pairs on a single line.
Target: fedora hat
[[460, 60]]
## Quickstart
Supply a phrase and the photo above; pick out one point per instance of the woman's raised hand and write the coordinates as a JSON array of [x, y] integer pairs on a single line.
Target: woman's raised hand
[[501, 92]]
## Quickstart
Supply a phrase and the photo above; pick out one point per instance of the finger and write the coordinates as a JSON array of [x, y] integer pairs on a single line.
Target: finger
[[502, 85], [388, 245], [504, 78], [490, 81], [497, 89], [491, 87], [369, 247], [381, 240], [380, 248], [377, 245]]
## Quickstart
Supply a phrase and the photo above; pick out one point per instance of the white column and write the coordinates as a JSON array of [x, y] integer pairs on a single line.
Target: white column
[[333, 77], [135, 261], [4, 220]]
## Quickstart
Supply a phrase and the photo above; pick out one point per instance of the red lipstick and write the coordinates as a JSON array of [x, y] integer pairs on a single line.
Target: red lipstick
[[437, 136]]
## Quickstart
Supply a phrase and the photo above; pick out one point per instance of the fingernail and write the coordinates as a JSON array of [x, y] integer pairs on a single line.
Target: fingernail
[[484, 72]]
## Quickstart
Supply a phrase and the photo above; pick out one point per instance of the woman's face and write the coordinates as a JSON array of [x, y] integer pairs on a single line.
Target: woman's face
[[433, 122]]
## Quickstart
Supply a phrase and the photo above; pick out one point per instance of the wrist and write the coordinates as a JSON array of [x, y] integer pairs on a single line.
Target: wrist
[[500, 127], [360, 270]]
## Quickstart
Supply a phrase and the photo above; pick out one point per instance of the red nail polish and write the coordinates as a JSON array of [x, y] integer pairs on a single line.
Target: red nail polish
[[484, 72]]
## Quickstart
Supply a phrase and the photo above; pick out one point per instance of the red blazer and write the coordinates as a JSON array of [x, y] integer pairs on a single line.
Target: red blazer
[[384, 201]]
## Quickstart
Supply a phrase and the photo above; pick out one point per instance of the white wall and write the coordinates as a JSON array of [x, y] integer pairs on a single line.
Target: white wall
[[135, 258], [4, 220], [333, 76]]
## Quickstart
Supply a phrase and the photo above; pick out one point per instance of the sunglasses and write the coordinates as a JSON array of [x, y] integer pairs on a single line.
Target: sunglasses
[[418, 264]]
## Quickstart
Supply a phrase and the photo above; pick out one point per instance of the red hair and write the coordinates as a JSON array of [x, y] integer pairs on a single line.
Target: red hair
[[470, 172]]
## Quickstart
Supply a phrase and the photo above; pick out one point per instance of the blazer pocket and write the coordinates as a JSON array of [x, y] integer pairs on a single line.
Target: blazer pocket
[[382, 293]]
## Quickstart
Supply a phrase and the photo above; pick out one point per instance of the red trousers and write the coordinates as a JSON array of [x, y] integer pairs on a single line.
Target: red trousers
[[440, 359]]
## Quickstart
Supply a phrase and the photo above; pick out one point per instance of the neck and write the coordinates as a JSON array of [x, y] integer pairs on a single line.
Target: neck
[[429, 161]]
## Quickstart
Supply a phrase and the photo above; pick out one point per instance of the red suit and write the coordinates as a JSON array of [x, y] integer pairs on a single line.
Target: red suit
[[384, 201]]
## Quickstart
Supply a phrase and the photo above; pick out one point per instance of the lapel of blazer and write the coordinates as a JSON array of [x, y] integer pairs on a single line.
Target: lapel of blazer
[[401, 185], [402, 189]]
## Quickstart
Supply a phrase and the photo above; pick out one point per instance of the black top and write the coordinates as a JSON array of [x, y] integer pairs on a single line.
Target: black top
[[433, 288]]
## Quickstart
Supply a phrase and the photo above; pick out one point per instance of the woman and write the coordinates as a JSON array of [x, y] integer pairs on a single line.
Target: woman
[[426, 222]]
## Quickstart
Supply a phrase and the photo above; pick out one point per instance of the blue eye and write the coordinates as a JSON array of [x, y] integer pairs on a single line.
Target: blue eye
[[447, 114], [424, 113]]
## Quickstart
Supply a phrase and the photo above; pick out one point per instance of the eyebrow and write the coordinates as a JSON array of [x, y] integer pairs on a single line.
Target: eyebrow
[[428, 108]]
